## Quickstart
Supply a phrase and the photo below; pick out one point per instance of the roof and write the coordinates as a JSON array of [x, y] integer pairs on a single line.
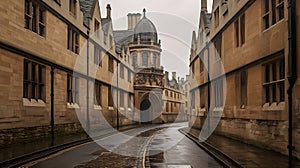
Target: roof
[[87, 7], [145, 25], [121, 38], [145, 29]]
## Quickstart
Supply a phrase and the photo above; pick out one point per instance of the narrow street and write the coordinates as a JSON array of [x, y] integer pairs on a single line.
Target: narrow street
[[149, 146]]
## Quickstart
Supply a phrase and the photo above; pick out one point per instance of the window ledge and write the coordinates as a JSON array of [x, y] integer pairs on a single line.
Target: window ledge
[[129, 109], [97, 107], [274, 107], [122, 109], [33, 102], [111, 108], [72, 106]]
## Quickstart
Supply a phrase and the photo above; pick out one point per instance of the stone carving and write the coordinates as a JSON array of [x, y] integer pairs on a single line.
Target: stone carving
[[139, 79]]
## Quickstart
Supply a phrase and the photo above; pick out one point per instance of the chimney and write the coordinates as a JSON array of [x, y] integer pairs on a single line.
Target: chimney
[[166, 74], [187, 77], [108, 10], [133, 19], [203, 5], [174, 75]]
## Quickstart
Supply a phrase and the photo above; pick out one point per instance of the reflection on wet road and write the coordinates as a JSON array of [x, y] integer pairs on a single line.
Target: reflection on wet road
[[153, 145]]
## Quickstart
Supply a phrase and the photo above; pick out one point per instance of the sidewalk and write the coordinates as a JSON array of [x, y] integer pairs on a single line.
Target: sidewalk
[[247, 155], [17, 150]]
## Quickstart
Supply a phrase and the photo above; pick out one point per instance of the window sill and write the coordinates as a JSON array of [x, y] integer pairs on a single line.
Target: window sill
[[72, 106], [270, 27], [274, 107], [33, 103], [111, 108], [122, 109], [129, 109], [97, 107]]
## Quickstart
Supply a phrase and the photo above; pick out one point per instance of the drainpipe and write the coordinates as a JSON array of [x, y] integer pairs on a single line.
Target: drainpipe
[[208, 87], [87, 84], [292, 71], [118, 124], [52, 104]]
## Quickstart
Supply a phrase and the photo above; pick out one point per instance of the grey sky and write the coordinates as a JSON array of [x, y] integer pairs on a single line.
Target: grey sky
[[174, 21]]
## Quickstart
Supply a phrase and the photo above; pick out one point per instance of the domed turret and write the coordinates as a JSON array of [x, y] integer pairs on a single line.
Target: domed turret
[[145, 30]]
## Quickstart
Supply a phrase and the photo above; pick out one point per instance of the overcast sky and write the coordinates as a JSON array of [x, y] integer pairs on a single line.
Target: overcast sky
[[174, 20]]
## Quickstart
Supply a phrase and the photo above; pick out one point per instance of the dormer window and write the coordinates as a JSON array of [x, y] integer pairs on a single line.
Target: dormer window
[[72, 7]]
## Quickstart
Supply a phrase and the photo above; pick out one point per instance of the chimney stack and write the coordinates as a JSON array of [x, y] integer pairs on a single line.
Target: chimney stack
[[108, 10], [174, 75], [166, 74], [133, 19], [204, 5]]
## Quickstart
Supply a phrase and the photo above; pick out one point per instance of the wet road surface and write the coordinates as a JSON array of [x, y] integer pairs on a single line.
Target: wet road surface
[[153, 146]]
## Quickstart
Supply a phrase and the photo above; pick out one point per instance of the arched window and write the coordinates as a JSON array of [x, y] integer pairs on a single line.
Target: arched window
[[134, 59], [154, 60], [145, 60]]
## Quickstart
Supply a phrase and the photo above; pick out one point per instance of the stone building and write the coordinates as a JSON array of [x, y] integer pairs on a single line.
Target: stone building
[[239, 66], [141, 45], [62, 69], [58, 65]]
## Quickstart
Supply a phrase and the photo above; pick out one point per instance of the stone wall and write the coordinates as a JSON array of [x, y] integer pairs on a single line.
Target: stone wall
[[23, 134]]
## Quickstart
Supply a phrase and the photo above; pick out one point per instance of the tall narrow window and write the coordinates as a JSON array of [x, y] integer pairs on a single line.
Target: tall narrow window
[[273, 5], [110, 64], [193, 100], [34, 17], [110, 97], [128, 75], [73, 40], [167, 107], [218, 48], [33, 80], [134, 59], [122, 104], [97, 100], [193, 69], [154, 60], [111, 42], [122, 69], [218, 93], [216, 17], [273, 12], [72, 7], [237, 32], [72, 89], [96, 28], [274, 81], [129, 101], [242, 27], [243, 87], [97, 56], [145, 60], [266, 16], [280, 8], [201, 63]]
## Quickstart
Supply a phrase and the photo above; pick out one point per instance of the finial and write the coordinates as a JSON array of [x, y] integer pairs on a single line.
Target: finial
[[144, 10]]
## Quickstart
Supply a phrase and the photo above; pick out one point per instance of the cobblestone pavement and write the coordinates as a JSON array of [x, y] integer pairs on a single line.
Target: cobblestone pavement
[[248, 155]]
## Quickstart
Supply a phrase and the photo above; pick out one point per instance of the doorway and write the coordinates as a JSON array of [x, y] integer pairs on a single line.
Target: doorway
[[145, 108]]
